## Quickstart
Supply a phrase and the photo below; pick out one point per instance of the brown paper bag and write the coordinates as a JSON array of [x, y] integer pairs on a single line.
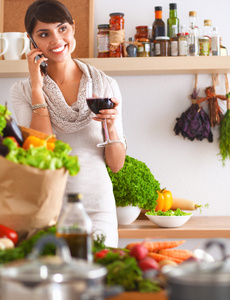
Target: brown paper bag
[[30, 198]]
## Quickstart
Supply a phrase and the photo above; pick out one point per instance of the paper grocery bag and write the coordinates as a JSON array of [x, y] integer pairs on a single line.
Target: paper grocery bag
[[30, 198]]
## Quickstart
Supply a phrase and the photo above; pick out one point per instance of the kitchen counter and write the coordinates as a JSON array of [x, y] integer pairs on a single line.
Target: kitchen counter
[[143, 296], [196, 227]]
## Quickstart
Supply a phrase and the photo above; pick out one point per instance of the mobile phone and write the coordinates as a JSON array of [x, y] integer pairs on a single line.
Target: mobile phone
[[43, 64]]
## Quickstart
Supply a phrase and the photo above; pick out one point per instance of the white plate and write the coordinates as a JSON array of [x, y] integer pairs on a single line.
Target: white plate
[[169, 221]]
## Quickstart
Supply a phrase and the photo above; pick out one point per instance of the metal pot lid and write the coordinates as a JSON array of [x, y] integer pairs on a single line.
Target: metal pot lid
[[61, 268], [201, 272]]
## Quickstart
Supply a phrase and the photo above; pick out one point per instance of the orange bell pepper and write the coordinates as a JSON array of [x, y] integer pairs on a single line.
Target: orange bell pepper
[[164, 201], [36, 142]]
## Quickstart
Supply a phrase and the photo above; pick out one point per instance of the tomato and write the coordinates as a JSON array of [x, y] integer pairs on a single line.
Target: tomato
[[101, 254], [9, 233], [13, 139], [164, 201]]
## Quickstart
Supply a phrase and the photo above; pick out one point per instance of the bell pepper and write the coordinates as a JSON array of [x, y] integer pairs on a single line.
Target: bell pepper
[[164, 201], [9, 233], [37, 142]]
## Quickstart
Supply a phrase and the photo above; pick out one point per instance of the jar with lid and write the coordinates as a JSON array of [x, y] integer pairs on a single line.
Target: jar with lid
[[103, 40], [141, 32], [204, 46], [75, 226], [116, 35], [174, 48], [143, 49], [162, 46]]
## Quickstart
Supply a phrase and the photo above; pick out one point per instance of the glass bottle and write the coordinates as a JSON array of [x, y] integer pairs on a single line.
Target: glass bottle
[[103, 40], [75, 227], [208, 31], [116, 34], [223, 50], [183, 42], [174, 42], [172, 20], [193, 42], [151, 41], [158, 24], [215, 42]]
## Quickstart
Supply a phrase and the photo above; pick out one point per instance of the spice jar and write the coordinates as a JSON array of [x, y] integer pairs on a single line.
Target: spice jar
[[103, 40], [116, 34], [141, 32], [143, 49], [204, 46], [162, 46]]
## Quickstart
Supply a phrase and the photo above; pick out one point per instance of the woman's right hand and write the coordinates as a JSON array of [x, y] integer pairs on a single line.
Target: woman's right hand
[[36, 76]]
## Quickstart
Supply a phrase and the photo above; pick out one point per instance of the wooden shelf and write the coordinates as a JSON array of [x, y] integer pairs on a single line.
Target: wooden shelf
[[137, 66], [195, 228]]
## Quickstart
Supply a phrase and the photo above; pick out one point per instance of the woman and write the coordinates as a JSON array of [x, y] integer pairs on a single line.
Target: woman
[[56, 104]]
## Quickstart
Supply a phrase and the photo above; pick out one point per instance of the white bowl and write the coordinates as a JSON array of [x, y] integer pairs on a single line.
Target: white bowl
[[169, 221]]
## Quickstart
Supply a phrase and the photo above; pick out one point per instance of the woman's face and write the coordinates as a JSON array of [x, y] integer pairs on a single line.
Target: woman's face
[[55, 40]]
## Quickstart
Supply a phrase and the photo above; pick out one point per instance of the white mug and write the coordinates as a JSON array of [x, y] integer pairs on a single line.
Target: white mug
[[3, 49], [27, 41], [16, 46]]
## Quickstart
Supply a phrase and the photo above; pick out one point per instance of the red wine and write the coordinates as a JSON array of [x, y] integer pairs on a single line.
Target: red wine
[[96, 104]]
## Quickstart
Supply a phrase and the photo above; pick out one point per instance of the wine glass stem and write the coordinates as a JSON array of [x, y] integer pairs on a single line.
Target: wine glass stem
[[106, 130]]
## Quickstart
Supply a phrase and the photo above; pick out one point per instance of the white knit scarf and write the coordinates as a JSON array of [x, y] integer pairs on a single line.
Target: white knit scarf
[[72, 118]]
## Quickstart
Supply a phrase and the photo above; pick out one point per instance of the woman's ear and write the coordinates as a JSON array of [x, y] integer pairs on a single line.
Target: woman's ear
[[73, 25]]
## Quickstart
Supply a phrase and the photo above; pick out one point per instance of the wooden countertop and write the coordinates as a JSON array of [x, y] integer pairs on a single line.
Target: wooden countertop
[[196, 227], [143, 296]]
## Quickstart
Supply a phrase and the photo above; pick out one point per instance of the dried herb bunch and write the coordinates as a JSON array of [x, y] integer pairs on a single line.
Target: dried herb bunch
[[194, 122], [224, 137]]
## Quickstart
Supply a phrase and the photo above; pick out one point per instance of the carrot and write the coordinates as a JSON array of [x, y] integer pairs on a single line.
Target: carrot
[[156, 246], [176, 253], [184, 204], [159, 257]]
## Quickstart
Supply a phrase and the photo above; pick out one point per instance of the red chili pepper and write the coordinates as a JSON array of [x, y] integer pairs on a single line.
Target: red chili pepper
[[101, 254], [9, 233]]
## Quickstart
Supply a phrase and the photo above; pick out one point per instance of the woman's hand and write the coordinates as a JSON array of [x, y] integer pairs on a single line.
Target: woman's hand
[[109, 114], [36, 75]]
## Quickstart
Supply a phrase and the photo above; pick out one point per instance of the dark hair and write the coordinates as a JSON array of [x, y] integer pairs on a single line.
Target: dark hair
[[47, 11]]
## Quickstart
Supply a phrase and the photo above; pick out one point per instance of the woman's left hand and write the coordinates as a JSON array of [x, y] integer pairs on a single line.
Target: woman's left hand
[[109, 114]]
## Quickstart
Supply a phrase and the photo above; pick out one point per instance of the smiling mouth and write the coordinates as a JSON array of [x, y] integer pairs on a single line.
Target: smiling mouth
[[59, 49]]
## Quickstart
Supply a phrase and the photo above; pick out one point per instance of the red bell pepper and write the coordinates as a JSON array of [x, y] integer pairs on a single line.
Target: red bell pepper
[[9, 233]]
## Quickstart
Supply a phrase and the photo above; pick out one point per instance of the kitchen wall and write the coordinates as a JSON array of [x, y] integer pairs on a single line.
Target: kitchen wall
[[151, 105]]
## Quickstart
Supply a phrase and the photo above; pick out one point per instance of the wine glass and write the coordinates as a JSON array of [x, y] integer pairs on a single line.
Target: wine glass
[[95, 104]]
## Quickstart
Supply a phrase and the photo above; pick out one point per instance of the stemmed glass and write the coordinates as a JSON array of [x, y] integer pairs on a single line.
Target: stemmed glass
[[96, 103]]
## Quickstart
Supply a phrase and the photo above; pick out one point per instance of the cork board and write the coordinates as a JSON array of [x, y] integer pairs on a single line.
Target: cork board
[[13, 12]]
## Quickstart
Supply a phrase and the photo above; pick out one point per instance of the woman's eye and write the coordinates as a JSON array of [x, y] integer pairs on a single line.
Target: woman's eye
[[44, 34], [63, 28]]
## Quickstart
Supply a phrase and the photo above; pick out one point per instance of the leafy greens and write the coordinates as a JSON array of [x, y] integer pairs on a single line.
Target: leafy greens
[[42, 158], [135, 185], [176, 212]]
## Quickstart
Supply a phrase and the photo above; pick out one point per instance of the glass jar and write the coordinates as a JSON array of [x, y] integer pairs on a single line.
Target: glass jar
[[204, 46], [141, 32], [162, 46], [103, 40], [116, 35], [143, 49]]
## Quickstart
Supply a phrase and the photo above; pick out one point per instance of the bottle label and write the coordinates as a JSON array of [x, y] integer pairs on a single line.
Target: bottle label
[[174, 48], [103, 43], [157, 49], [183, 48]]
